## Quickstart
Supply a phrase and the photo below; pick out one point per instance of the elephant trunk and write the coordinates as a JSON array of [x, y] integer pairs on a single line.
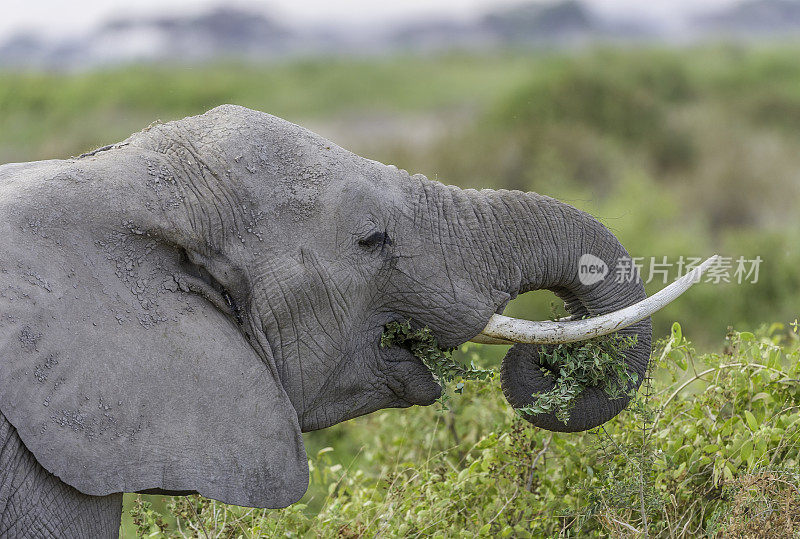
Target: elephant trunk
[[556, 247]]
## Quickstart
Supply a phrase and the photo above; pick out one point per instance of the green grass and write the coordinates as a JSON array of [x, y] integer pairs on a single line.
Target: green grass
[[56, 115], [714, 448]]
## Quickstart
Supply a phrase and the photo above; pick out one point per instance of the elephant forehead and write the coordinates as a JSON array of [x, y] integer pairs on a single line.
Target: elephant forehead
[[274, 159], [345, 189]]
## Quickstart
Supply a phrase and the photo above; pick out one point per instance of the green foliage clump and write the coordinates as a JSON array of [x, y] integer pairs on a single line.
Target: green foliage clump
[[424, 346], [579, 365], [146, 521]]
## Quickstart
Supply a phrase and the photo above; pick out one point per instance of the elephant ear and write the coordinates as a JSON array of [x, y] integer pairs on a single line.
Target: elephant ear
[[118, 379]]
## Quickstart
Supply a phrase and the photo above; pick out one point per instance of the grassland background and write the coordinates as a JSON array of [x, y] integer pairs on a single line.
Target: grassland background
[[679, 152]]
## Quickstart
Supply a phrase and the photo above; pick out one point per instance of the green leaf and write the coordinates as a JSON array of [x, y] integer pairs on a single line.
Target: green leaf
[[751, 420], [679, 358], [766, 397], [592, 363], [727, 473], [677, 334], [747, 450]]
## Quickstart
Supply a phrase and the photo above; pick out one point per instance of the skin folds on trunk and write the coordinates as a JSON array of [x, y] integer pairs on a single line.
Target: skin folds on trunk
[[543, 240]]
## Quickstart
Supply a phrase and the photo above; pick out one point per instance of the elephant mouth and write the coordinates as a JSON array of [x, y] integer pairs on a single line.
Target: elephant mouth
[[506, 330], [409, 379]]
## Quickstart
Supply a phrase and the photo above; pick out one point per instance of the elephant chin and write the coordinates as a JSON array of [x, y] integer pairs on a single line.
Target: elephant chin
[[407, 382]]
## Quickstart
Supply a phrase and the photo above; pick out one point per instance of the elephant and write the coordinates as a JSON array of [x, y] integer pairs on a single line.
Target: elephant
[[177, 308]]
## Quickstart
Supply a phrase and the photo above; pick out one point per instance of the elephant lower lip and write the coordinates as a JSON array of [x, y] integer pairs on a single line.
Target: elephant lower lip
[[415, 383], [400, 355]]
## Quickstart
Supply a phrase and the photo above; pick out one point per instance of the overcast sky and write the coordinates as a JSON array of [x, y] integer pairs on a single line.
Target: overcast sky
[[63, 17]]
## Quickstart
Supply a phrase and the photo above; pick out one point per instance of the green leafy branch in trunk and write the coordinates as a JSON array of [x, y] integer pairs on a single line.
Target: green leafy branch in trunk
[[579, 365]]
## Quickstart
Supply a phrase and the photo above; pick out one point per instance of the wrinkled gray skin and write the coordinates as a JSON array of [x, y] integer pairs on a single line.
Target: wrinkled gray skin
[[177, 308]]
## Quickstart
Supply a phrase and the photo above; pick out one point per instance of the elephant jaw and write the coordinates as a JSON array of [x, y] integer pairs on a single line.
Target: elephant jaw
[[506, 330]]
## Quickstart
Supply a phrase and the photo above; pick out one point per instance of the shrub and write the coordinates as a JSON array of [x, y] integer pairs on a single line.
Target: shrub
[[710, 447]]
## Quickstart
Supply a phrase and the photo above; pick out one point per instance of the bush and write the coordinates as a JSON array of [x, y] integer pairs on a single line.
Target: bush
[[710, 447]]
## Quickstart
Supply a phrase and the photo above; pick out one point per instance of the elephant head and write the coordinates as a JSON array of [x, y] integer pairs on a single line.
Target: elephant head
[[178, 307]]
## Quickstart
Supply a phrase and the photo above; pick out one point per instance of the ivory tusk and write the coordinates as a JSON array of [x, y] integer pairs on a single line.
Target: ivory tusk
[[506, 330]]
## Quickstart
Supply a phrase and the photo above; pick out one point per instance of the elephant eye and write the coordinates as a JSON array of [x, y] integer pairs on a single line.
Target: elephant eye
[[376, 239]]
